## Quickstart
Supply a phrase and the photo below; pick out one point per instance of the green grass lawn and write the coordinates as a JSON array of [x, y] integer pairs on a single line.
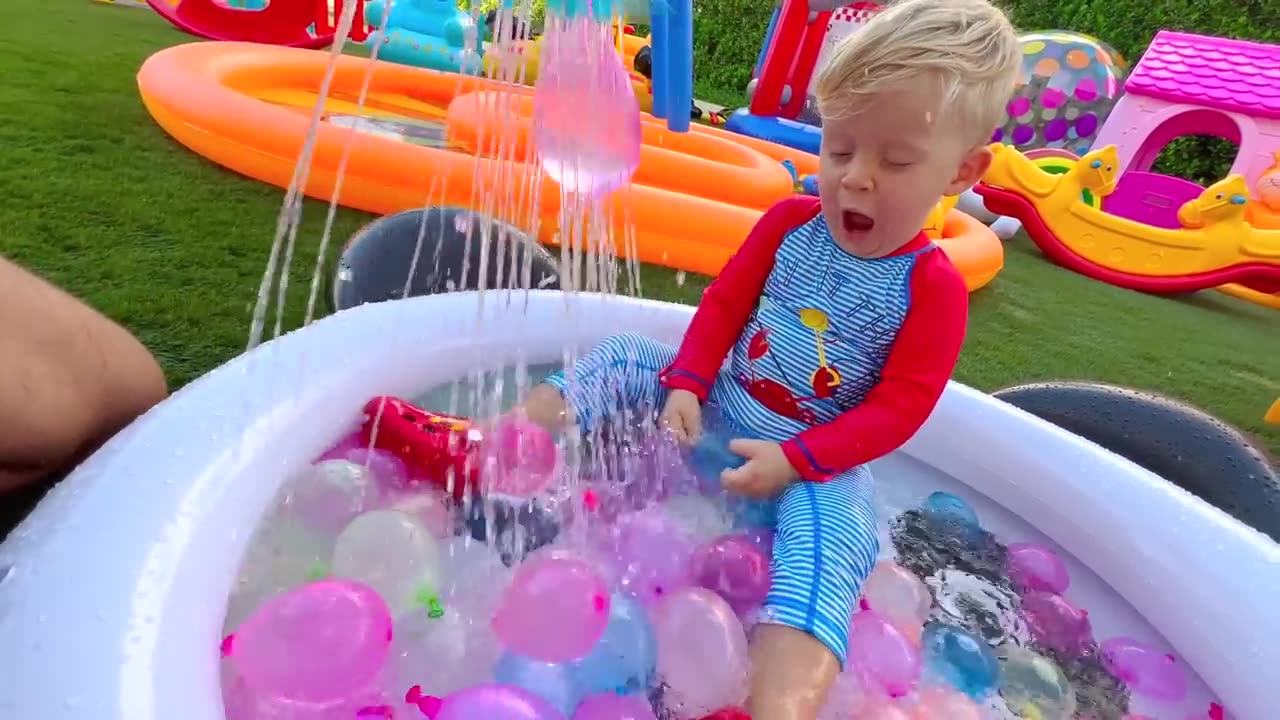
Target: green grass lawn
[[96, 197]]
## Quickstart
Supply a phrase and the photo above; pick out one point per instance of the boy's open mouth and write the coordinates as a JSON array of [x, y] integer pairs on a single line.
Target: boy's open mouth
[[856, 221]]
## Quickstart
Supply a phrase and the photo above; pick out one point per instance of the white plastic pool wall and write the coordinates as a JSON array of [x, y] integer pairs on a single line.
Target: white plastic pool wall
[[115, 589]]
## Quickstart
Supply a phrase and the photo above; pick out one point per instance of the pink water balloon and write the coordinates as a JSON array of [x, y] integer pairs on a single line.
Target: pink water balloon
[[324, 642], [1145, 669], [702, 651], [1035, 567], [608, 706], [736, 569], [496, 702], [586, 126], [523, 457], [654, 556], [897, 594], [883, 657], [555, 610], [943, 704], [1056, 623]]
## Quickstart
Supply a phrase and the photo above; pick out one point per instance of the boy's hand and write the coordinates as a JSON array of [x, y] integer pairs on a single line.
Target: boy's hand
[[767, 472], [682, 417]]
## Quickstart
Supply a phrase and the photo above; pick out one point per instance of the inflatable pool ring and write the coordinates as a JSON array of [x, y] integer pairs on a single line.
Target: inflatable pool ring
[[457, 244], [180, 491], [972, 247], [425, 33], [1186, 446]]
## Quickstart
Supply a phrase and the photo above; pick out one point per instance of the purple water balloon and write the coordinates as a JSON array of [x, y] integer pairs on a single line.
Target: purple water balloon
[[1145, 669], [1056, 623], [654, 556], [1035, 567], [734, 568], [586, 126]]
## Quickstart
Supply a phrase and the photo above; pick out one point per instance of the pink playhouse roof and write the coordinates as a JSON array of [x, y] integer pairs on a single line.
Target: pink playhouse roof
[[1231, 75]]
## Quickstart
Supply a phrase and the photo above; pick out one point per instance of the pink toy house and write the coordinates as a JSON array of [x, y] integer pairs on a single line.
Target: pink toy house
[[1196, 85]]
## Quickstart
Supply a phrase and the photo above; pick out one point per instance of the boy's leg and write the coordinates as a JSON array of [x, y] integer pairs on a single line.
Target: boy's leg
[[826, 545], [619, 373]]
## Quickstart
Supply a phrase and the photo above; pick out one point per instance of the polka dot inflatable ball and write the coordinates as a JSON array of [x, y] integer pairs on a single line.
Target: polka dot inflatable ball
[[1068, 84]]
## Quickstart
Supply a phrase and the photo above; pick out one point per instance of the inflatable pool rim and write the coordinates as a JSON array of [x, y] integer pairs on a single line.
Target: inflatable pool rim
[[114, 590]]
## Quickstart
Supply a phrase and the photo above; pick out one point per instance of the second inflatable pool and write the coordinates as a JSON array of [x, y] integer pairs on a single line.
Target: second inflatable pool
[[692, 202]]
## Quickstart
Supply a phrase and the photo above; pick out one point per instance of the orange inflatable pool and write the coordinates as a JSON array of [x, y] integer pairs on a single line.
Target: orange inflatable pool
[[247, 107]]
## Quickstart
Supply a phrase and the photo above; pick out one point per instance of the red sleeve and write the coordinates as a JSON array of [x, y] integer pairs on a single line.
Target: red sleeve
[[729, 300], [917, 370]]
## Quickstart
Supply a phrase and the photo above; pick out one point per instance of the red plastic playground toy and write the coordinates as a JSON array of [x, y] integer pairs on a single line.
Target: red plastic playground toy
[[294, 23]]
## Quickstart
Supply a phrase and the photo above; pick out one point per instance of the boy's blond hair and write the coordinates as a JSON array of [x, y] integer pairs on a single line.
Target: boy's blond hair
[[967, 46]]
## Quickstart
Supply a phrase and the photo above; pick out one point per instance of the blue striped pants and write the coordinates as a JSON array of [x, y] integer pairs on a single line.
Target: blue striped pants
[[826, 540]]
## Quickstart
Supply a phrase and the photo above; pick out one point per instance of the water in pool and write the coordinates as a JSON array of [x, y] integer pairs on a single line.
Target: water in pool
[[629, 591]]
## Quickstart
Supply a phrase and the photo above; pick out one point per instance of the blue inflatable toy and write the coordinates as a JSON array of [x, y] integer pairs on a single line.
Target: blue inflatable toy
[[671, 25], [432, 34]]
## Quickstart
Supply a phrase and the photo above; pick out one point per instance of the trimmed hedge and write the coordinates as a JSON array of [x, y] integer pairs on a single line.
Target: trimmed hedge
[[728, 34]]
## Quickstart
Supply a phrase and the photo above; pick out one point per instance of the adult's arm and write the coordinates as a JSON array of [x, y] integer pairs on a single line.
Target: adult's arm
[[69, 378]]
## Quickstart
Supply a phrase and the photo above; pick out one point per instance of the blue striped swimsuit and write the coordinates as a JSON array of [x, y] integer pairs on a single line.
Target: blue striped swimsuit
[[812, 349]]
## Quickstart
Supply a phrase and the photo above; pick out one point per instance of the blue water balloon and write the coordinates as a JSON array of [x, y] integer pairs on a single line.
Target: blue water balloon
[[956, 657], [711, 454], [554, 682], [952, 508], [623, 660]]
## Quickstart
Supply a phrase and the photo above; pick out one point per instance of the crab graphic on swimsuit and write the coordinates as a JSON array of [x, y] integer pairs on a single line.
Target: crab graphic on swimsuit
[[802, 358]]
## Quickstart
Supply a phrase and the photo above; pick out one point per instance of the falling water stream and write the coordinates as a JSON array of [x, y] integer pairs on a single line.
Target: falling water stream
[[586, 126]]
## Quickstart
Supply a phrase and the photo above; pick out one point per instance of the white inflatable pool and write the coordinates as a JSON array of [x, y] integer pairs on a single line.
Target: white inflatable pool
[[113, 593]]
